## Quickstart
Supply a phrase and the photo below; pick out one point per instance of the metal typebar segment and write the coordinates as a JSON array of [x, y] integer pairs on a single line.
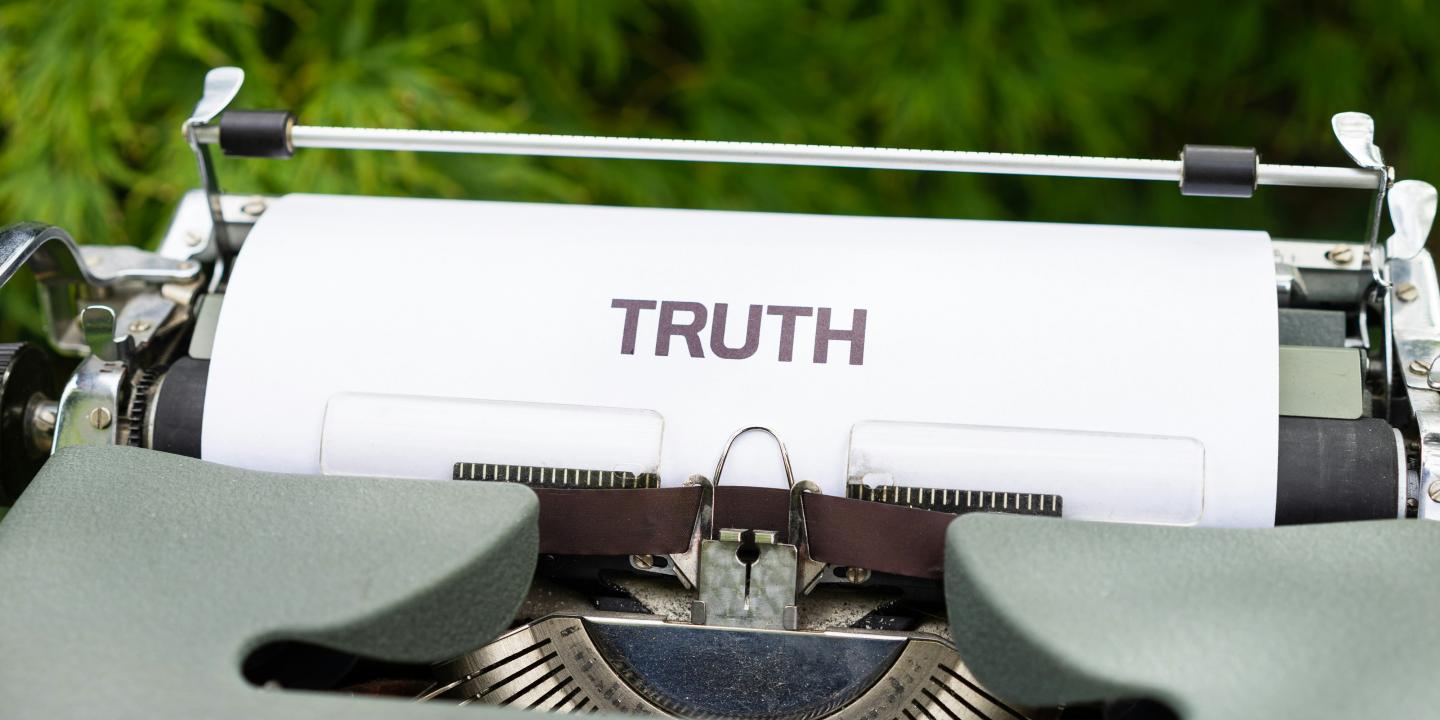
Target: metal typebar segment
[[579, 146]]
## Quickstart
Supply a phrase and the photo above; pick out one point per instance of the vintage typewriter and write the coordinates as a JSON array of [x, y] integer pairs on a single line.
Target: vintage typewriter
[[324, 456]]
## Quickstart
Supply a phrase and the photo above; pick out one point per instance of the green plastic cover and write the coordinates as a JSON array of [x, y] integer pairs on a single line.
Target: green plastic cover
[[134, 583], [1298, 622]]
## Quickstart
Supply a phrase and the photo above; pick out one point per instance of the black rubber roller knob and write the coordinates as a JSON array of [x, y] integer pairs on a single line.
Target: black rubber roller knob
[[1337, 471], [178, 417], [257, 133], [1218, 171], [27, 387]]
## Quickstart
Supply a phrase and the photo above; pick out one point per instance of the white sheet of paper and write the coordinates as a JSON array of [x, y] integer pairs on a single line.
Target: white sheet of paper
[[1103, 476], [1150, 331], [403, 436]]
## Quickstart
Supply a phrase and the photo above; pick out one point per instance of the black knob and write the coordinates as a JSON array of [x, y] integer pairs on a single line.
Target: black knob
[[28, 389]]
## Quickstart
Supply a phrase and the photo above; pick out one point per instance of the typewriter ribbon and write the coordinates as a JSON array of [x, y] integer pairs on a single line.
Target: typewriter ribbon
[[842, 532]]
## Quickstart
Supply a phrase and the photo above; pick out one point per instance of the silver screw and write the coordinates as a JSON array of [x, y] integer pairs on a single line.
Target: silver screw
[[139, 326], [643, 562], [45, 420], [1419, 367], [254, 208], [1434, 490], [100, 418], [193, 238], [1407, 292], [1340, 255], [857, 575]]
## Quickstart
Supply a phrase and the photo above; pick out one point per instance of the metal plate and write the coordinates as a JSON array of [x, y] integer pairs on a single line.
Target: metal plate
[[644, 666], [1322, 382]]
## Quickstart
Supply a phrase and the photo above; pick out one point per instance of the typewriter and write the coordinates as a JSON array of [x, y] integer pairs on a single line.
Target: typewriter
[[323, 456]]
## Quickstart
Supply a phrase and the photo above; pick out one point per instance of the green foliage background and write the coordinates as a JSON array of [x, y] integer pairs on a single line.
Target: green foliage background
[[92, 95]]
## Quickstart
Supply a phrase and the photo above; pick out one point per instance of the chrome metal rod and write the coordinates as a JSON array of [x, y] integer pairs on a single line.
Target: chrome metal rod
[[579, 146]]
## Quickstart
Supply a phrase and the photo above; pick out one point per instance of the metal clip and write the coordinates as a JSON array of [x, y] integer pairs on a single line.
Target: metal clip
[[747, 579], [784, 454], [686, 565], [808, 571]]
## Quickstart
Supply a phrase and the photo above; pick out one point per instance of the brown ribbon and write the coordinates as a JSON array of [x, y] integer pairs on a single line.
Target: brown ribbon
[[843, 532]]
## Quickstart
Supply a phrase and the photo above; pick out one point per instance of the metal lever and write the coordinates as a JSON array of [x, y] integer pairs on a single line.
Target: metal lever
[[49, 252], [58, 264], [1356, 133], [222, 84], [1412, 212], [54, 257], [98, 324]]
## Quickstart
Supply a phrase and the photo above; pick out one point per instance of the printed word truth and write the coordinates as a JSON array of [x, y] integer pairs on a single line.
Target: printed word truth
[[697, 325]]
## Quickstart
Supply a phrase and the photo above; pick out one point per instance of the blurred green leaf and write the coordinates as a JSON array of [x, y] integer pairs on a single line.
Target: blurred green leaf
[[92, 95]]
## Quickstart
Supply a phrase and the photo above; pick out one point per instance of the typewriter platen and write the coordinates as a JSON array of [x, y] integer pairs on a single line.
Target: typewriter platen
[[669, 585]]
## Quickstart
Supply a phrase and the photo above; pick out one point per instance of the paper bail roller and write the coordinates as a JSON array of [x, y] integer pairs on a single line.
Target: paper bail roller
[[1219, 171], [257, 133]]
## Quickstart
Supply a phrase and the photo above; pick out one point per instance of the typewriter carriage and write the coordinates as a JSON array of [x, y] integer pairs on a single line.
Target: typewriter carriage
[[128, 315]]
